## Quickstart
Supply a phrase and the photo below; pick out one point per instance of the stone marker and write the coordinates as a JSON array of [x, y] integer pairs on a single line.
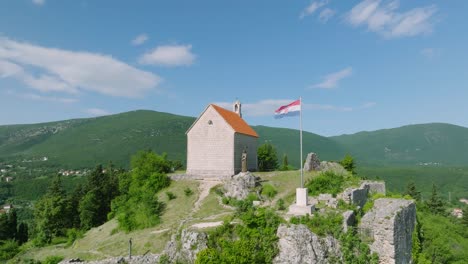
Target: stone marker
[[312, 162]]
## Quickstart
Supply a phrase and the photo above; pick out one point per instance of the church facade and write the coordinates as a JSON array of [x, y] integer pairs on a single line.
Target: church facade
[[217, 140]]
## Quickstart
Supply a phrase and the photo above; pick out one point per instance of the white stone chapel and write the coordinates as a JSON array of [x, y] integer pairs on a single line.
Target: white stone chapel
[[217, 140]]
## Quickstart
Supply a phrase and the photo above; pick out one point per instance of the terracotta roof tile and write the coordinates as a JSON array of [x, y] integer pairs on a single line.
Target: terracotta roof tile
[[235, 121]]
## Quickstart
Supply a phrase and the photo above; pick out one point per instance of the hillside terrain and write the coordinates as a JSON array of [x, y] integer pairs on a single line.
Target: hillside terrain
[[83, 143]]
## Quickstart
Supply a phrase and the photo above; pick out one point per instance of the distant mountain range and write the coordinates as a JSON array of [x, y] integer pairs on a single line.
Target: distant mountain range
[[86, 142]]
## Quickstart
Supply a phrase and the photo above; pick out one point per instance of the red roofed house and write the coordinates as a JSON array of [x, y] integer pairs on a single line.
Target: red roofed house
[[216, 140]]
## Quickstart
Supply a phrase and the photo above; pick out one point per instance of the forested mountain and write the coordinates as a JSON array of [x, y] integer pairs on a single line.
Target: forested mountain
[[86, 142]]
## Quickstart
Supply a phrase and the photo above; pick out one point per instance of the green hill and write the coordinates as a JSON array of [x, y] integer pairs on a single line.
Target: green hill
[[81, 143], [425, 144]]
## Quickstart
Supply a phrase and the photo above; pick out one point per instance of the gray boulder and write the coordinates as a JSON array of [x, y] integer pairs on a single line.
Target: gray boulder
[[333, 167], [349, 219], [191, 242], [389, 225], [240, 185], [312, 162], [297, 244]]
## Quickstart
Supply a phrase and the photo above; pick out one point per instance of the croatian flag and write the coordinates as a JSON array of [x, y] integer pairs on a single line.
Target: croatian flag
[[292, 109]]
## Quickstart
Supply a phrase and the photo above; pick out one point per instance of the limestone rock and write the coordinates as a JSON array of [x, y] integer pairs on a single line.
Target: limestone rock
[[355, 196], [297, 244], [312, 162], [191, 242], [390, 226], [374, 186], [240, 185], [333, 167], [349, 219]]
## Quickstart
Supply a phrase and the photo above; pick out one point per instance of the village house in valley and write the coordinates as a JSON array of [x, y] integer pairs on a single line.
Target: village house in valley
[[217, 140]]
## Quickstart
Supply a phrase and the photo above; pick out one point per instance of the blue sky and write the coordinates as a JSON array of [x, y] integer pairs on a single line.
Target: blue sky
[[358, 65]]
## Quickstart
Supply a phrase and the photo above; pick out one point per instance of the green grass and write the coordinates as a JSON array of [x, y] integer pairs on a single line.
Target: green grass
[[103, 241]]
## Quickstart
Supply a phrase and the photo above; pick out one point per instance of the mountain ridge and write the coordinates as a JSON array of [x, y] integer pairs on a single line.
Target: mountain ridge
[[85, 142]]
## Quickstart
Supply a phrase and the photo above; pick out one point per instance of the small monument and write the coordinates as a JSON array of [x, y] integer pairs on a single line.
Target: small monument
[[244, 161], [312, 162]]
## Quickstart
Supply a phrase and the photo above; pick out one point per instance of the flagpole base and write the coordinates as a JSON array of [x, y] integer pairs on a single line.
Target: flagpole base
[[301, 207], [301, 196]]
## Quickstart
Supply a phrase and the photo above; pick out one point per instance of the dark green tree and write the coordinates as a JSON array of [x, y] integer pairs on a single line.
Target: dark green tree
[[51, 212], [435, 203], [413, 192], [267, 158], [22, 234], [89, 210], [285, 165], [348, 163], [465, 217]]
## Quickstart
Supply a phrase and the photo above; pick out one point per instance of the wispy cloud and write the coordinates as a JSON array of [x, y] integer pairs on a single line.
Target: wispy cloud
[[314, 6], [368, 105], [332, 80], [97, 112], [430, 53], [43, 98], [267, 107], [386, 20], [140, 39], [326, 14], [38, 2], [169, 55], [57, 70]]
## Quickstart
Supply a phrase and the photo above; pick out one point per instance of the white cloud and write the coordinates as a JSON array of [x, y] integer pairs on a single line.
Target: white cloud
[[97, 112], [37, 97], [310, 9], [52, 69], [38, 2], [368, 105], [332, 80], [170, 55], [385, 20], [326, 14], [267, 107], [430, 53], [140, 39]]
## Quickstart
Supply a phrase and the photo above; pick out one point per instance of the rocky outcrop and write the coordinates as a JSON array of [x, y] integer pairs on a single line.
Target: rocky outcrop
[[358, 196], [374, 187], [349, 219], [191, 242], [389, 225], [333, 167], [312, 162], [297, 244], [240, 185], [144, 259]]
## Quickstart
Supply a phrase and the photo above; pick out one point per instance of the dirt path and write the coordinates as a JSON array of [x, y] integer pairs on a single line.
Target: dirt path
[[204, 187]]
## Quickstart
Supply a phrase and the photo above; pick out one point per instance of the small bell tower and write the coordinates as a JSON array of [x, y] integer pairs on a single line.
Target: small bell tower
[[237, 108]]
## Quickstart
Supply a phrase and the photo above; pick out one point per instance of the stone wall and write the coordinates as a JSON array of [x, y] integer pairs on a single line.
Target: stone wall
[[210, 147], [297, 244], [389, 225]]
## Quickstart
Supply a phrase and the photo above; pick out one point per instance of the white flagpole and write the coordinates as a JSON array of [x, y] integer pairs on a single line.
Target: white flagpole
[[300, 139]]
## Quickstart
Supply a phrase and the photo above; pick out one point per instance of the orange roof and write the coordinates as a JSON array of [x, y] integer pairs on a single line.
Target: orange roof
[[235, 121]]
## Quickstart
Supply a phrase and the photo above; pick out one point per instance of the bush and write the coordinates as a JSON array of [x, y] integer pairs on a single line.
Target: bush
[[267, 159], [188, 191], [280, 204], [73, 234], [53, 259], [328, 224], [8, 249], [326, 182], [269, 191], [348, 163], [171, 196]]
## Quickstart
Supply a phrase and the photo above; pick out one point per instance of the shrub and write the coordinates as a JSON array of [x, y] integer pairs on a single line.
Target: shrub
[[171, 196], [267, 159], [326, 182], [321, 224], [280, 204], [53, 259], [188, 191], [73, 234], [269, 191], [348, 163], [8, 249]]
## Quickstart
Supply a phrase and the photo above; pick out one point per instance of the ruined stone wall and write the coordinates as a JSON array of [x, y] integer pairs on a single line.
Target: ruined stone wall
[[389, 225]]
